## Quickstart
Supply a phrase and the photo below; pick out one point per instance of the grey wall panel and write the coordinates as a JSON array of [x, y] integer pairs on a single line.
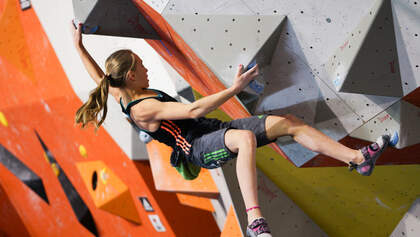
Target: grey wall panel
[[409, 225], [224, 42], [402, 117], [283, 215], [367, 61], [203, 7], [157, 5]]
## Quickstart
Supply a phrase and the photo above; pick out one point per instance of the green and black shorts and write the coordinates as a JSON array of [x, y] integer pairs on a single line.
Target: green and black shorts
[[209, 150]]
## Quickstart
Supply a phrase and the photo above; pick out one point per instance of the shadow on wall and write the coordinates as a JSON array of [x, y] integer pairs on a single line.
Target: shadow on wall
[[406, 68], [8, 211]]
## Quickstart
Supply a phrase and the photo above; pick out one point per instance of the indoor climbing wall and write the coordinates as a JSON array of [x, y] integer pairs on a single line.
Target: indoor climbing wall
[[336, 70], [55, 178], [348, 68], [351, 69], [409, 224]]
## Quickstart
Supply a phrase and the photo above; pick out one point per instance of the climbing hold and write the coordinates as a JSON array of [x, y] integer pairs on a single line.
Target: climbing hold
[[83, 151], [3, 120]]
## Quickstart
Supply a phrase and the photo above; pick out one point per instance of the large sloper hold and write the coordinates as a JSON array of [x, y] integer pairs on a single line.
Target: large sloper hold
[[367, 62], [107, 190], [77, 204], [22, 172], [292, 88], [402, 117], [114, 18], [225, 41]]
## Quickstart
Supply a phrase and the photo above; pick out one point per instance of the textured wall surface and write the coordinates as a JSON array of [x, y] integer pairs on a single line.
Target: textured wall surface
[[69, 196], [317, 58]]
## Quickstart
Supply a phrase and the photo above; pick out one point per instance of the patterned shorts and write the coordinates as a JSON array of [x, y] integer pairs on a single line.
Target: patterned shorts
[[209, 150]]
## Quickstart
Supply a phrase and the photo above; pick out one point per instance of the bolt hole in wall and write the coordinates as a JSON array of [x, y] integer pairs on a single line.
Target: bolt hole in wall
[[94, 180]]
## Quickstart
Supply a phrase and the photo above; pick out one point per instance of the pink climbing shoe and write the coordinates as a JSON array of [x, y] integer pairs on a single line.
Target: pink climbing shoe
[[372, 152], [258, 228]]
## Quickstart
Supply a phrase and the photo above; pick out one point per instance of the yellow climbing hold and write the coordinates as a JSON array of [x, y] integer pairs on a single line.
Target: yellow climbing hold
[[46, 157], [103, 174], [83, 151], [55, 169], [3, 120]]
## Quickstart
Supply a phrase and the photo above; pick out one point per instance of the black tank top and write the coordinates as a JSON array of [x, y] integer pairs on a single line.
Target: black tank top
[[177, 134]]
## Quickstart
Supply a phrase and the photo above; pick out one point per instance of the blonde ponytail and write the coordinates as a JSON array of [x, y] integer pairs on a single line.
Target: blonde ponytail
[[117, 66], [97, 101]]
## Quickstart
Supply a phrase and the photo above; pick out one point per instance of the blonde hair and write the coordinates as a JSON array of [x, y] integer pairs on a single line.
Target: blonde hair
[[117, 66]]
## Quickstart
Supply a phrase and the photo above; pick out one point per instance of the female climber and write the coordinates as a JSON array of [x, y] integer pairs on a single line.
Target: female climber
[[208, 143]]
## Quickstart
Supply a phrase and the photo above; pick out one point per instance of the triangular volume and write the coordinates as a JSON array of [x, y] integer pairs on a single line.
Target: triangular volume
[[249, 97], [402, 117], [291, 80], [115, 18], [367, 62], [122, 205], [219, 39], [107, 191], [265, 53]]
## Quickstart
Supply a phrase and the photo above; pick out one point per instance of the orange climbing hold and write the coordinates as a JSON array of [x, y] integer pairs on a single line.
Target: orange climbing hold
[[108, 192]]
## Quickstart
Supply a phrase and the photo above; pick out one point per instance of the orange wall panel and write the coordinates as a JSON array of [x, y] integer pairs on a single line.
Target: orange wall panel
[[36, 95]]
